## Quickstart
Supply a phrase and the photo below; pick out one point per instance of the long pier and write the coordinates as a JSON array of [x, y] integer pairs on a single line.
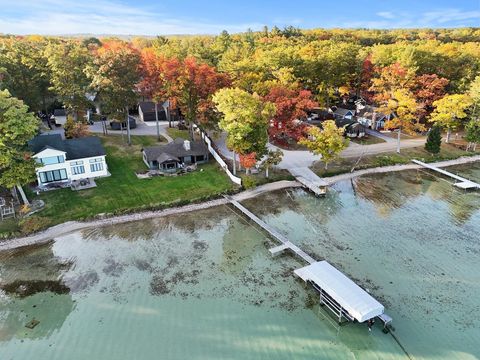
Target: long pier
[[285, 243], [354, 303], [462, 182]]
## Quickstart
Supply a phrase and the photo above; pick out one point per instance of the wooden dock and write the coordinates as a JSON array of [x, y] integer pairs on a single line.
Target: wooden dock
[[285, 243], [461, 183], [310, 180]]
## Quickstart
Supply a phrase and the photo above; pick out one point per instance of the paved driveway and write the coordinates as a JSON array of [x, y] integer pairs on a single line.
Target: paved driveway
[[301, 158], [141, 129]]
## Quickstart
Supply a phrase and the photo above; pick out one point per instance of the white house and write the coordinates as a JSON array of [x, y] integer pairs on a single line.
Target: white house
[[61, 161]]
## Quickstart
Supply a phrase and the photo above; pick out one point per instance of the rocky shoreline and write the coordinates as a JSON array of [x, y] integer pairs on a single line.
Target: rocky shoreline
[[72, 226]]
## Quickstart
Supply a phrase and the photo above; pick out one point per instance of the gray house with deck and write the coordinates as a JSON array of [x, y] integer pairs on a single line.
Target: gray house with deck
[[175, 155]]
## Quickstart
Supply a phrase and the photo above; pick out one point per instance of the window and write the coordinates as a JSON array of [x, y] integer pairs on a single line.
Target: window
[[77, 167], [52, 160], [96, 165], [55, 175], [200, 158]]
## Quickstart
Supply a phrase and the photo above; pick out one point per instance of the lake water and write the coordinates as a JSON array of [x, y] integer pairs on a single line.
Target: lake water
[[203, 285]]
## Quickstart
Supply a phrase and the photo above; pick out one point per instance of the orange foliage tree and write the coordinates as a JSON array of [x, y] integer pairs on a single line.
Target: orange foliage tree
[[290, 104], [248, 161]]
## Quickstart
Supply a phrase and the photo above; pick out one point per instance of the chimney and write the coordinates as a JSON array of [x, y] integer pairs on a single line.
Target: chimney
[[186, 145]]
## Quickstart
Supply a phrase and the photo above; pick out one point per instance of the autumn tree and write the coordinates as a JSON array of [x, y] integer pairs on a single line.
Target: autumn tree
[[428, 88], [365, 79], [67, 61], [17, 127], [402, 103], [153, 84], [327, 65], [115, 74], [472, 134], [272, 158], [327, 142], [389, 79], [245, 118], [248, 161], [474, 93], [194, 87], [75, 129], [291, 105], [449, 111], [24, 71]]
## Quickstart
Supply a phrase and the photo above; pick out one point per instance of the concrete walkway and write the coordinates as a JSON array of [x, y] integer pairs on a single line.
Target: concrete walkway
[[386, 169], [303, 158]]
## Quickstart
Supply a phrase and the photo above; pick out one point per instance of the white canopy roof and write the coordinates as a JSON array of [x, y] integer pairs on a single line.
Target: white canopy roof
[[344, 291]]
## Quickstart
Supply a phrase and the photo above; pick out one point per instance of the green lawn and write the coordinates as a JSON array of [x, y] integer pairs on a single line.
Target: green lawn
[[176, 133], [8, 226], [123, 191]]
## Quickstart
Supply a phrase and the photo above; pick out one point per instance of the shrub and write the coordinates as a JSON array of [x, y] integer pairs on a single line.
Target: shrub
[[248, 182], [434, 140], [33, 224]]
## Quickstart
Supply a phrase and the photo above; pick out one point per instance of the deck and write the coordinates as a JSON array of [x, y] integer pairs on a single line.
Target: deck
[[310, 180], [461, 182]]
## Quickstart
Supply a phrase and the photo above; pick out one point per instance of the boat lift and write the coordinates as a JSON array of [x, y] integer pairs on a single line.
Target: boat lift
[[341, 295]]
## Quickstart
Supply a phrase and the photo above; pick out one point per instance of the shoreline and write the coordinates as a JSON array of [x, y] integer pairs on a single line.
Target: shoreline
[[68, 227], [393, 168], [72, 226]]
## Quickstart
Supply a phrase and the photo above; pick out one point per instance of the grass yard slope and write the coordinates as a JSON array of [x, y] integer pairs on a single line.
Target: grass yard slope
[[123, 191]]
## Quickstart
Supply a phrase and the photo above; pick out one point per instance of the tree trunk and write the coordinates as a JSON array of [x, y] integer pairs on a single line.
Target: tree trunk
[[266, 172], [234, 165], [22, 194], [449, 132], [167, 110], [129, 140], [326, 165], [156, 121], [398, 139]]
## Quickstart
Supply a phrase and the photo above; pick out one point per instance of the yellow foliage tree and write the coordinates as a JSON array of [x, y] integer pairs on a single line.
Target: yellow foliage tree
[[404, 106], [327, 142], [449, 111]]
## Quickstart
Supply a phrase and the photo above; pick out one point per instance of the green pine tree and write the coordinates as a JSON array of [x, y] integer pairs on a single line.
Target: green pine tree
[[434, 140]]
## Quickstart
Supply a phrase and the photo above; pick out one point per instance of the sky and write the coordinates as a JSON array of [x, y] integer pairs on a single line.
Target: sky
[[166, 17]]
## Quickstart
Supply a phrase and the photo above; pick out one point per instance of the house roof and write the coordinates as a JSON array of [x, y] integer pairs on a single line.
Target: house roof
[[175, 149], [149, 106], [86, 147], [59, 112], [167, 157], [343, 112]]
